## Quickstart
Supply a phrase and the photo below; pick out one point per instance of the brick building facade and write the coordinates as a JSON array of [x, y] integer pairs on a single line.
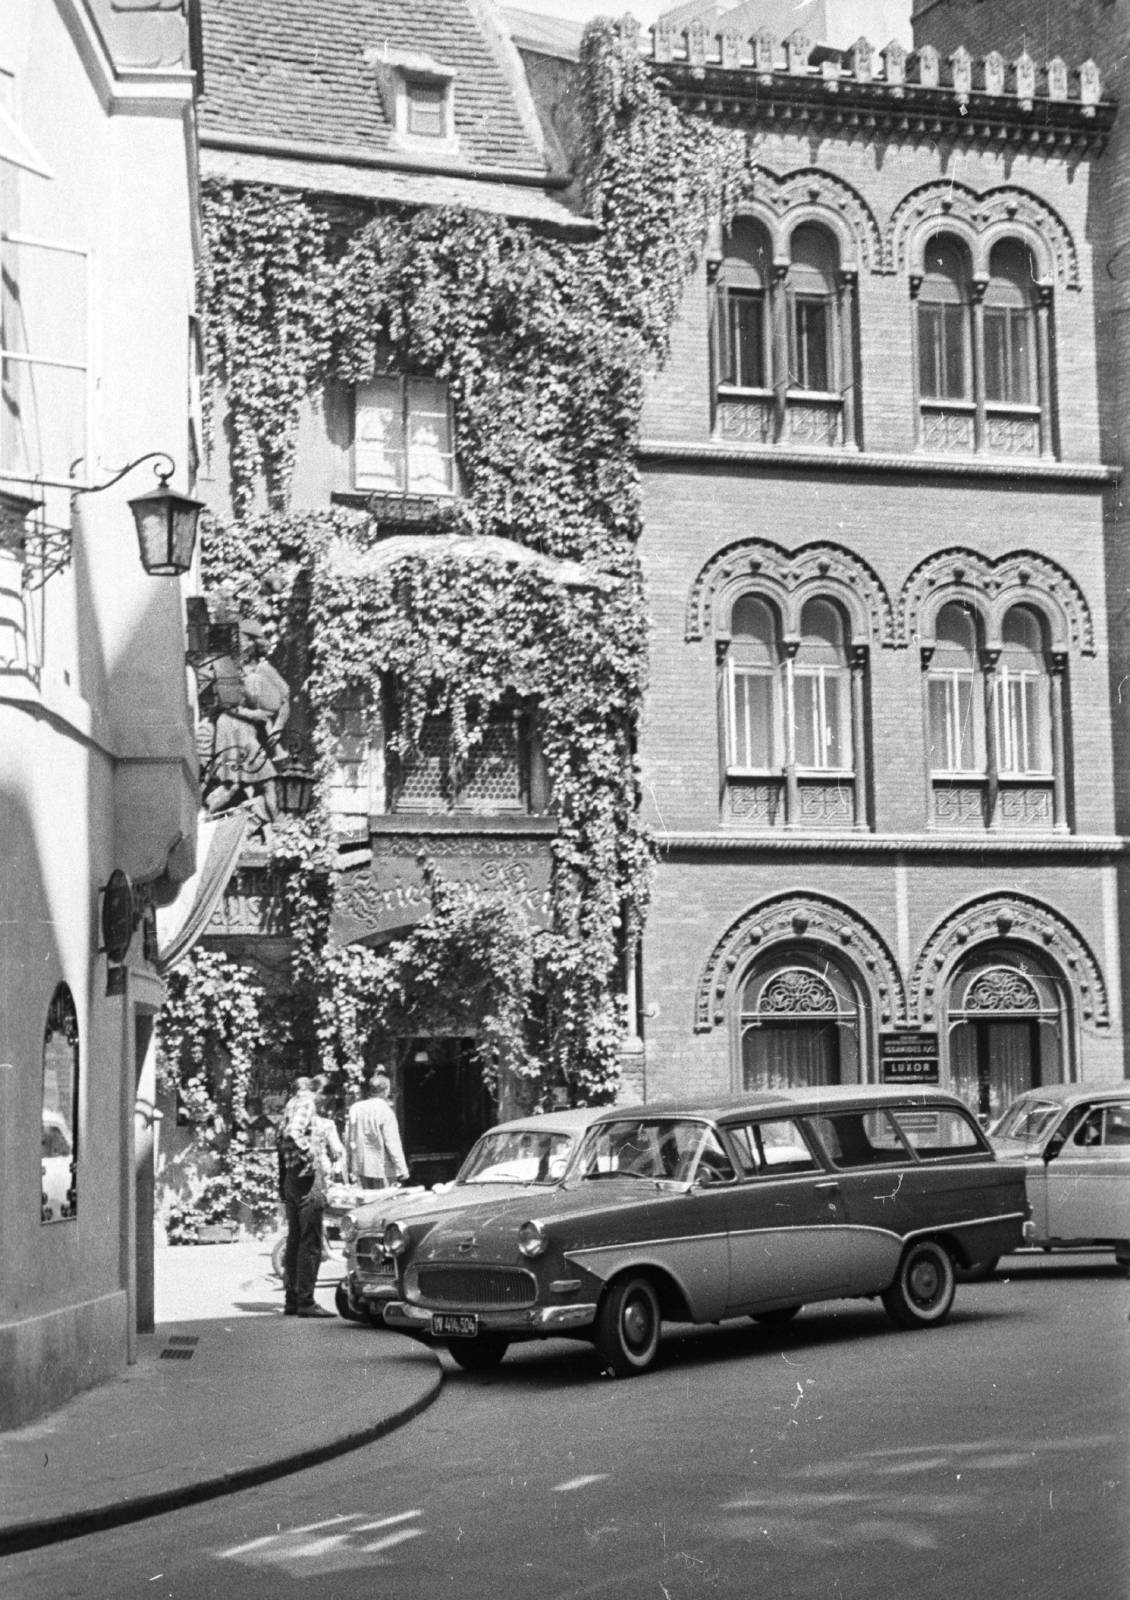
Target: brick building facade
[[877, 475]]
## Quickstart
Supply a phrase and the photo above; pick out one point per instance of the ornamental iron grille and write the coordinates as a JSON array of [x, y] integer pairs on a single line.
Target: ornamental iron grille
[[1002, 989], [796, 992]]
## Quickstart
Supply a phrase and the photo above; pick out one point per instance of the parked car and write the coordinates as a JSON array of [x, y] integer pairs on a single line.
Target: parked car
[[1075, 1143], [695, 1214], [507, 1161], [58, 1173]]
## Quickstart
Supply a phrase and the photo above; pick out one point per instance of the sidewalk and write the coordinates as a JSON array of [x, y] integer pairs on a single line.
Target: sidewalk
[[226, 1393]]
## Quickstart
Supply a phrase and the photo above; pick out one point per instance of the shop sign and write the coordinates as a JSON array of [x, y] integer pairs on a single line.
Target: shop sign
[[908, 1057], [390, 893]]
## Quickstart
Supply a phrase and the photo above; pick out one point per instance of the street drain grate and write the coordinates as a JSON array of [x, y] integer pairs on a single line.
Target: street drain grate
[[181, 1347]]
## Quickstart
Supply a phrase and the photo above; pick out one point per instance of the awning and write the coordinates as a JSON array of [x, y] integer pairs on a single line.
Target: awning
[[180, 925]]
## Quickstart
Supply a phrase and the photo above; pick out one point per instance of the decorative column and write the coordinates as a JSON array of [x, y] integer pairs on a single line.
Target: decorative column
[[781, 346], [915, 356], [1044, 368], [792, 788], [1059, 743], [847, 355], [859, 655], [989, 660], [979, 428]]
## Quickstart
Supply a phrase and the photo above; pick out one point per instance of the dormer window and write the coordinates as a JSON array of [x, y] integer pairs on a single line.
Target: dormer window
[[426, 109]]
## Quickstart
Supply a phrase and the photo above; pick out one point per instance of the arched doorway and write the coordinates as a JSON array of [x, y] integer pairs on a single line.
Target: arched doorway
[[800, 1023], [1007, 1029]]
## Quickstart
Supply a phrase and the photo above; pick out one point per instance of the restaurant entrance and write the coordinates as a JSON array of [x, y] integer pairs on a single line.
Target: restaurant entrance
[[444, 1106]]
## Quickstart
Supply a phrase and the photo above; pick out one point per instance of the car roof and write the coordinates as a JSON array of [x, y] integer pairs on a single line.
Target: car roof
[[1069, 1094], [811, 1100]]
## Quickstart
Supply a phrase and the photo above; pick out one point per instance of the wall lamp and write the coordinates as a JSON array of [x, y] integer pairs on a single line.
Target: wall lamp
[[165, 521]]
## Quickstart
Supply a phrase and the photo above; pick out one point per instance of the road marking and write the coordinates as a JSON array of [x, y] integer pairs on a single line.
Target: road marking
[[392, 1538], [338, 1544], [387, 1522], [578, 1483]]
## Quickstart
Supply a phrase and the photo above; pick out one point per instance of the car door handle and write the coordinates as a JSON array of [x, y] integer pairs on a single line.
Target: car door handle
[[830, 1184]]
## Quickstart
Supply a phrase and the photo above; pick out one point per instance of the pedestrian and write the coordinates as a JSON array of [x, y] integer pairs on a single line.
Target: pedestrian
[[303, 1170], [376, 1155]]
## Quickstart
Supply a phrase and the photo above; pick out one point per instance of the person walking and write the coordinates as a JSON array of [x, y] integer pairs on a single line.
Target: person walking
[[372, 1138], [303, 1171]]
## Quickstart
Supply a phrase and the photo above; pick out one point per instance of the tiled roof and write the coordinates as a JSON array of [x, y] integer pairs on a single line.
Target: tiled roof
[[295, 70]]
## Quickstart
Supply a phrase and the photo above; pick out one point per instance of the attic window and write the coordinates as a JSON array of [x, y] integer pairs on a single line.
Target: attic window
[[426, 109]]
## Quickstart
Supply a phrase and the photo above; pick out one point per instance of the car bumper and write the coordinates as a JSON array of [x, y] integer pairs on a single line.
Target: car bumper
[[537, 1322]]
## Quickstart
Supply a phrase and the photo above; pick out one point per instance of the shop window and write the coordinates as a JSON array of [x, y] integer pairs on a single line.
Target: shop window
[[799, 1026], [59, 1180], [403, 440]]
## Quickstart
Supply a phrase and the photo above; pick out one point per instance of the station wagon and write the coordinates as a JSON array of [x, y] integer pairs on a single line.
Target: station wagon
[[753, 1207]]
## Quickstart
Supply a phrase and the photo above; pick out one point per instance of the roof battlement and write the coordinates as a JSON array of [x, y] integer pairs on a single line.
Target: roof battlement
[[893, 91]]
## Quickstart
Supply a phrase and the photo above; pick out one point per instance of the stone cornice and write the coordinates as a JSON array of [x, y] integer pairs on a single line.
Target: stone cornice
[[889, 844], [875, 461]]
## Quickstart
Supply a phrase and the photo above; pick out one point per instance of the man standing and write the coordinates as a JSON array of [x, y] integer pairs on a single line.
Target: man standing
[[376, 1156], [303, 1164]]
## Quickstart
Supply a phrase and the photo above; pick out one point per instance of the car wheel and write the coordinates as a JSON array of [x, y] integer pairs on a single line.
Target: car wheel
[[341, 1301], [776, 1319], [978, 1272], [922, 1293], [627, 1327], [278, 1256], [480, 1354]]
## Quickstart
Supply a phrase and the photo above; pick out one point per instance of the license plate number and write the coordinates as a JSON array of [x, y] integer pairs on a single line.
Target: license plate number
[[443, 1323]]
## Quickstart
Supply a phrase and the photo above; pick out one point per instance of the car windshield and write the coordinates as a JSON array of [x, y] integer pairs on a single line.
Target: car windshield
[[641, 1147], [1027, 1120], [522, 1155]]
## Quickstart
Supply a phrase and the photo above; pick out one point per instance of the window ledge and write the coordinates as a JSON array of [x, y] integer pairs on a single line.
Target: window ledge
[[448, 822], [730, 839]]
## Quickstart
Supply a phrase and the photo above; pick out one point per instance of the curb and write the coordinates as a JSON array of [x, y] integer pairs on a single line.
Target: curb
[[72, 1525]]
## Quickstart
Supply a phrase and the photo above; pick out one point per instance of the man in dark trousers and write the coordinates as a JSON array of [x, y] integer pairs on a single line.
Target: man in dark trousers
[[302, 1188]]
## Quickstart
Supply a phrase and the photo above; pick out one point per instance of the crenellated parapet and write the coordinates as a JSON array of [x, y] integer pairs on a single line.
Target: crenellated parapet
[[891, 92]]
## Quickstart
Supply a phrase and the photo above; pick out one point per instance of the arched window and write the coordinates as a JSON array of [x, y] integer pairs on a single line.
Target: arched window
[[1023, 698], [955, 695], [1010, 325], [945, 364], [820, 692], [813, 307], [755, 688], [743, 326], [1007, 1028], [59, 1160], [799, 1024]]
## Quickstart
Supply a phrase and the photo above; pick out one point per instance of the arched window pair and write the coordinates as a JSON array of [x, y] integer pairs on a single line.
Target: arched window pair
[[784, 363], [996, 719], [791, 714], [983, 351]]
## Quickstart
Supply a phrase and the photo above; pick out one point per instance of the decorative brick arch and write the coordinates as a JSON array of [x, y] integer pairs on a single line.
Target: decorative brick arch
[[790, 578], [1021, 921], [812, 195], [1022, 577], [800, 917], [983, 219]]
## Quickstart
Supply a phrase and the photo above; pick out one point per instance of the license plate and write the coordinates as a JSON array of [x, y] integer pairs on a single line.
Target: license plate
[[453, 1327]]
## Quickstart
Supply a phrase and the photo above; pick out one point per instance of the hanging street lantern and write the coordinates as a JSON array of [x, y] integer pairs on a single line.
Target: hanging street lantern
[[294, 790], [166, 529]]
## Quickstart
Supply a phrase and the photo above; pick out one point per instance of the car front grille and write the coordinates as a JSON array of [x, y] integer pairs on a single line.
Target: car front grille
[[491, 1287], [371, 1259]]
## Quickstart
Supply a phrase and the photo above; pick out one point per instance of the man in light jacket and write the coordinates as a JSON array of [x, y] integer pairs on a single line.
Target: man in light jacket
[[376, 1156]]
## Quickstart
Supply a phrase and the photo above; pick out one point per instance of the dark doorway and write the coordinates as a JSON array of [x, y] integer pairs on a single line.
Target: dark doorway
[[444, 1106]]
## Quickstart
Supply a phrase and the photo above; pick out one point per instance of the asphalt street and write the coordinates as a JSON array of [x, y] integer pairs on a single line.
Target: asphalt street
[[839, 1457]]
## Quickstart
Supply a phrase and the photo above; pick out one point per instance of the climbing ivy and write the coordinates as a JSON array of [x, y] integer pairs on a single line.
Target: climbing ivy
[[544, 343]]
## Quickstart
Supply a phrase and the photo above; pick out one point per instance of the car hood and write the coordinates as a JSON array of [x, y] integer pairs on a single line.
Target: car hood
[[572, 1209], [373, 1217]]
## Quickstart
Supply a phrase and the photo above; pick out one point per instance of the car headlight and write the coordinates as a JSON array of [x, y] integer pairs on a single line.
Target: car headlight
[[395, 1239], [349, 1229], [532, 1240]]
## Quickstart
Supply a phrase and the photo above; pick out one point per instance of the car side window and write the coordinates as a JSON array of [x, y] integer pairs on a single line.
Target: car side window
[[934, 1135], [1117, 1129], [1090, 1130], [1103, 1125], [714, 1165], [859, 1138], [774, 1148]]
